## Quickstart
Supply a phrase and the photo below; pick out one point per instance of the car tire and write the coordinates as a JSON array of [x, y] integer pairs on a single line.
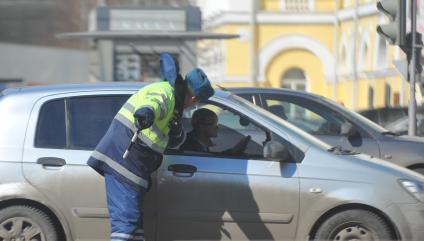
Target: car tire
[[18, 222], [355, 224]]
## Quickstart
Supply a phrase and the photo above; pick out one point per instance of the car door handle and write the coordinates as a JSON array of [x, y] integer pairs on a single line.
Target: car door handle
[[51, 161], [182, 170]]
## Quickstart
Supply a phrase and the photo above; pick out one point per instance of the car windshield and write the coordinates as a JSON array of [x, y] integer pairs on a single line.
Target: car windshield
[[311, 140], [358, 117]]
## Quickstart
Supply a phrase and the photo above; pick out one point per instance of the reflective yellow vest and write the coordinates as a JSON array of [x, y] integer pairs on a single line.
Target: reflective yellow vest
[[160, 98]]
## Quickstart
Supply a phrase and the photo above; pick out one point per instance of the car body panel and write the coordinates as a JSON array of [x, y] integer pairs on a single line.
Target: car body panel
[[227, 199]]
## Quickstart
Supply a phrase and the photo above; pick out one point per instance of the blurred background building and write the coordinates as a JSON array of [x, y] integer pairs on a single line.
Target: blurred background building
[[30, 52], [329, 47]]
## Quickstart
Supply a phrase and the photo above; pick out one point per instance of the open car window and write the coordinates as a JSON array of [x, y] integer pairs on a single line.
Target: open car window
[[232, 128]]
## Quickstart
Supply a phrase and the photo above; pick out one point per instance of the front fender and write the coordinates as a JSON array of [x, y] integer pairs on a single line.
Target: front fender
[[25, 193]]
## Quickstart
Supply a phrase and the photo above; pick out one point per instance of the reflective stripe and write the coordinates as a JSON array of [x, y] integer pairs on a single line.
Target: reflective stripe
[[131, 126], [143, 137], [129, 107], [158, 94], [163, 105], [157, 132], [152, 145], [125, 122], [120, 235], [120, 169]]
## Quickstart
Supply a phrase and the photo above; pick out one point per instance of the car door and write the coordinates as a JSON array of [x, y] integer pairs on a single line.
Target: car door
[[213, 196], [62, 133], [321, 121]]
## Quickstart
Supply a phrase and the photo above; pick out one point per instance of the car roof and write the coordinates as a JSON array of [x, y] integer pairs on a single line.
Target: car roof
[[260, 90], [44, 90]]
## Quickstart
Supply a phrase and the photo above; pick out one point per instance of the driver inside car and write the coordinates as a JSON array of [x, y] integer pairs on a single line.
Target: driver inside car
[[205, 127]]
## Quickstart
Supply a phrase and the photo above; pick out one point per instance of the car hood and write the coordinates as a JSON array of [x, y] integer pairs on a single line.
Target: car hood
[[358, 167], [405, 138]]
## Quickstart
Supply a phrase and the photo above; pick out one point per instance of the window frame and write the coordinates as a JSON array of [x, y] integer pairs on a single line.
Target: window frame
[[221, 155], [270, 135]]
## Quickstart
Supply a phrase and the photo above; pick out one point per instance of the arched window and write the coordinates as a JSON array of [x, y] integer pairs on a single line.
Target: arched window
[[381, 62], [294, 78], [363, 55]]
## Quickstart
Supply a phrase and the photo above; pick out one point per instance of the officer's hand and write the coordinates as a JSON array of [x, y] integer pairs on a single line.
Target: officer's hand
[[175, 126], [143, 118]]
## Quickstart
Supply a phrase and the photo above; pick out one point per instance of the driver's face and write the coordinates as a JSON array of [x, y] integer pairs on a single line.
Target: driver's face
[[211, 128]]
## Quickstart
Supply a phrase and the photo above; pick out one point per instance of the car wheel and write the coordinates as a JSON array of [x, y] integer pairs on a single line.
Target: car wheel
[[354, 224], [20, 223]]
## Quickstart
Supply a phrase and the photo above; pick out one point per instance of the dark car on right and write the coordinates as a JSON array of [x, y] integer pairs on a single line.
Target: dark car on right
[[338, 126], [395, 118]]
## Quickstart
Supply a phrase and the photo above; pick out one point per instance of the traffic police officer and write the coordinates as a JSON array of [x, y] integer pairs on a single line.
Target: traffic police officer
[[154, 113]]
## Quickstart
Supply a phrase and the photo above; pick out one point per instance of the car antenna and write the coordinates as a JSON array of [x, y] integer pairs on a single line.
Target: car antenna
[[221, 87]]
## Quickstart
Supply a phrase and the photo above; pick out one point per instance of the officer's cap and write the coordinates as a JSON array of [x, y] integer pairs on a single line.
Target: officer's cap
[[199, 83]]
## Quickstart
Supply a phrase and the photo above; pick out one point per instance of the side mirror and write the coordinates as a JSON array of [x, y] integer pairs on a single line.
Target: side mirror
[[275, 151], [244, 121], [348, 130]]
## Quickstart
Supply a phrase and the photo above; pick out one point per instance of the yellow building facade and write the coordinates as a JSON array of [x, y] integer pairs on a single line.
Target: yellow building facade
[[328, 47]]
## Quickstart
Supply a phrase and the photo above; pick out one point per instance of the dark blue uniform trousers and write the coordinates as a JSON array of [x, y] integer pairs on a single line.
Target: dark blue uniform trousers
[[124, 203]]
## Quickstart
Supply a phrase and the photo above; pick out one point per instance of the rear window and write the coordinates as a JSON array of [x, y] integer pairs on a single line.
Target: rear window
[[51, 128], [77, 122], [89, 119]]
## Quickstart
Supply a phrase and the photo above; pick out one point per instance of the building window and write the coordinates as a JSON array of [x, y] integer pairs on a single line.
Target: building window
[[297, 5], [343, 56], [396, 98], [137, 67], [363, 55], [387, 95], [370, 97], [346, 3], [381, 54], [295, 79]]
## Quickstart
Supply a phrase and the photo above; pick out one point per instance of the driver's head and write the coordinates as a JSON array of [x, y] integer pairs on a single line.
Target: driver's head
[[205, 123]]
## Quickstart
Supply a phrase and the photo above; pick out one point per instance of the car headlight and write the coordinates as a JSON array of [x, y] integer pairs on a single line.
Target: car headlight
[[414, 188]]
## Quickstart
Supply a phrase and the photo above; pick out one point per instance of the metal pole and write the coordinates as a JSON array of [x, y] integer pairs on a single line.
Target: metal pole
[[355, 59], [253, 45], [412, 72]]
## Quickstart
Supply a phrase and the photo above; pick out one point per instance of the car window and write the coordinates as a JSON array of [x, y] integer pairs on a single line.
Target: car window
[[51, 128], [247, 97], [307, 115], [90, 117], [232, 127]]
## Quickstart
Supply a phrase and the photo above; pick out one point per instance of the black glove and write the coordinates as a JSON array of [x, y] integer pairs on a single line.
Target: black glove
[[144, 118], [175, 126]]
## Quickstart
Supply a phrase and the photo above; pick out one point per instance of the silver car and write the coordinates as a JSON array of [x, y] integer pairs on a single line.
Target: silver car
[[338, 126], [287, 185]]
